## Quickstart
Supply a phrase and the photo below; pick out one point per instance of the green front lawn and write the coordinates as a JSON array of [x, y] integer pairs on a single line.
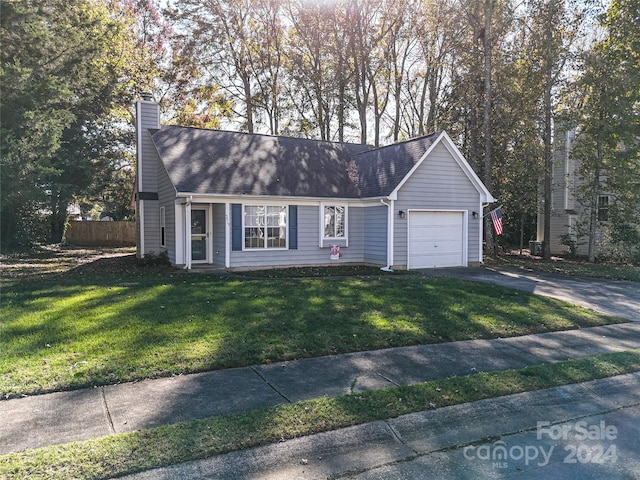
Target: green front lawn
[[122, 454], [91, 327]]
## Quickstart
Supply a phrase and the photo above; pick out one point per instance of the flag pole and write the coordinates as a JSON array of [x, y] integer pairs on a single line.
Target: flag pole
[[489, 213]]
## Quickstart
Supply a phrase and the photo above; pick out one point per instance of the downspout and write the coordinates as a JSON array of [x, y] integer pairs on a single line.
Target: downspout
[[389, 234], [227, 235], [187, 233], [141, 220]]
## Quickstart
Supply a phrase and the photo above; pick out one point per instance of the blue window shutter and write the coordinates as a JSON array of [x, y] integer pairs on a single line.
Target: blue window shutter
[[293, 227], [236, 226]]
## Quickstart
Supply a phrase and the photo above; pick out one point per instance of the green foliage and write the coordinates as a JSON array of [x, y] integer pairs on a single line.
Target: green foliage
[[71, 69], [59, 78], [571, 242], [608, 115]]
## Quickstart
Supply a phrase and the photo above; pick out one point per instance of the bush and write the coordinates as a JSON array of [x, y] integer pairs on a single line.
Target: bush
[[153, 260]]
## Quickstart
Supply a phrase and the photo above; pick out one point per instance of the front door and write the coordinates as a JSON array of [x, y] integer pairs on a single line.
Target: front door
[[199, 235]]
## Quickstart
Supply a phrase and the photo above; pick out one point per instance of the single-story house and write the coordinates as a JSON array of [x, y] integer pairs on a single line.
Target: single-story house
[[245, 201]]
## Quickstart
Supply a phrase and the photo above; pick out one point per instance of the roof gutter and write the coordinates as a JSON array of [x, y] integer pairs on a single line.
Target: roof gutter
[[389, 234]]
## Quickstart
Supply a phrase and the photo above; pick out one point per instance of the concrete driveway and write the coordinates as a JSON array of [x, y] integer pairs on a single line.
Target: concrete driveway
[[615, 297]]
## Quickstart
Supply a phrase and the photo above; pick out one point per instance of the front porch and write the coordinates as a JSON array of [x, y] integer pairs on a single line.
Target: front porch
[[201, 235]]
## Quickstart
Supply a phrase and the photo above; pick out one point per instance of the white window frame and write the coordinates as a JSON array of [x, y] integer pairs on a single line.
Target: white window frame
[[163, 229], [324, 240], [266, 243]]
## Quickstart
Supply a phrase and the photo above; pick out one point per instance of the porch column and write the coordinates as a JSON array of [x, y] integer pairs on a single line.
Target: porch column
[[187, 235], [227, 235]]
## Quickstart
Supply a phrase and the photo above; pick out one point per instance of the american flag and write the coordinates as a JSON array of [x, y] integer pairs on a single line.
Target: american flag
[[496, 219]]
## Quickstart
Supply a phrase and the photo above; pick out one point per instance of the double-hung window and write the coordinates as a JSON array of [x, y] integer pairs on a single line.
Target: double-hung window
[[603, 208], [335, 221], [265, 226]]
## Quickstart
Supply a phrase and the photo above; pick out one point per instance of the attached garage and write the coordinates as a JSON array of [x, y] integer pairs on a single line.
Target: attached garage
[[437, 239]]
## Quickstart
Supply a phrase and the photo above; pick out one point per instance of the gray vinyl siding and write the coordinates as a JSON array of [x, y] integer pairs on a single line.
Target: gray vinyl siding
[[357, 235], [167, 196], [375, 238], [308, 251], [148, 165], [438, 184], [148, 120], [566, 202], [219, 225], [559, 215], [559, 226], [152, 227]]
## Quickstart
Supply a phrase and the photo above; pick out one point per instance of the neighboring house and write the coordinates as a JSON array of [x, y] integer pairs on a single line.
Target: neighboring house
[[569, 217], [243, 201]]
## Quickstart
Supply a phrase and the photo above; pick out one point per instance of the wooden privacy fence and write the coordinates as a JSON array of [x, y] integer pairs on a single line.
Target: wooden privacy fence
[[102, 234]]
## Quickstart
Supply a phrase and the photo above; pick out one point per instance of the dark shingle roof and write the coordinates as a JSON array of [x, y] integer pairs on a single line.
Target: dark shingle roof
[[203, 161], [221, 162], [382, 169]]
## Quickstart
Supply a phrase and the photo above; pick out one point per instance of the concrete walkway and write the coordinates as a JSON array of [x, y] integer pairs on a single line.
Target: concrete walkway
[[62, 417], [614, 297]]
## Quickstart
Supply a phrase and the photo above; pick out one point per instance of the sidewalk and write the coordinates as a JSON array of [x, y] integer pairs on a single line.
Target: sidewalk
[[56, 418], [533, 435]]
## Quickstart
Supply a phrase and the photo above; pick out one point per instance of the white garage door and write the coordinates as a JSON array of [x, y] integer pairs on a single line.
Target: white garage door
[[436, 239]]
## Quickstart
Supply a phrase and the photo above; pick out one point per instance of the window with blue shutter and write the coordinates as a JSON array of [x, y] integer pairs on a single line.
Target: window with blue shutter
[[236, 226], [293, 227]]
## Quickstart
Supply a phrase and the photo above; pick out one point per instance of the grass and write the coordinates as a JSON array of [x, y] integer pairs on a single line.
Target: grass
[[568, 266], [128, 453], [322, 271], [101, 325]]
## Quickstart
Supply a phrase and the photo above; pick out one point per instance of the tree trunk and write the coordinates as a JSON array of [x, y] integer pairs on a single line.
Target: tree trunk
[[397, 98], [58, 218], [548, 159], [548, 172], [593, 214], [341, 110], [423, 101], [488, 11], [488, 178], [376, 113], [246, 83]]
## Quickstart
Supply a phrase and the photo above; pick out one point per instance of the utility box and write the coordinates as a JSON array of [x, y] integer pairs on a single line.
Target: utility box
[[535, 248]]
